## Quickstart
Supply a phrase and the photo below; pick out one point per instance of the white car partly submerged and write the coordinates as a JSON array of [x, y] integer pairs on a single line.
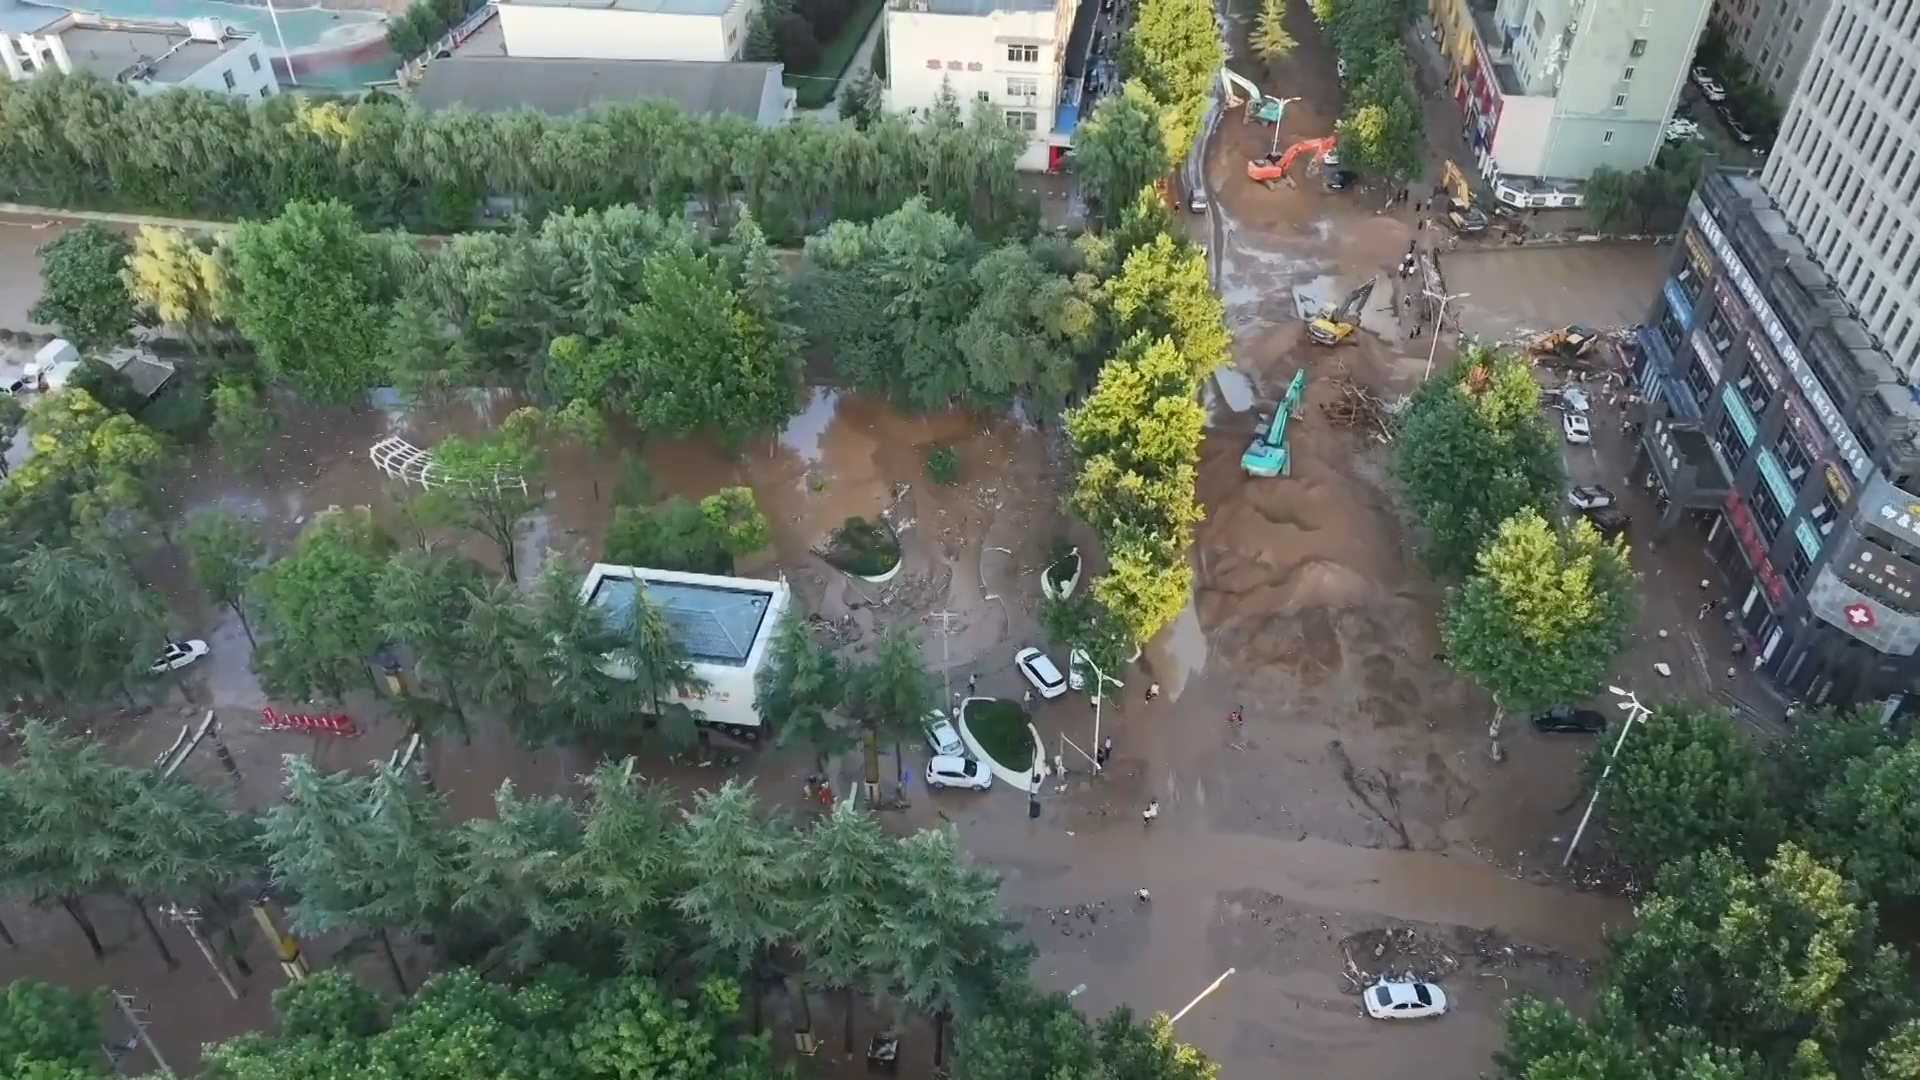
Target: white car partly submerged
[[1404, 1000], [179, 654]]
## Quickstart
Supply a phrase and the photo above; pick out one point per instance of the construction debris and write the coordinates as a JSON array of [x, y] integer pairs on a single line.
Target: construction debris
[[1358, 407]]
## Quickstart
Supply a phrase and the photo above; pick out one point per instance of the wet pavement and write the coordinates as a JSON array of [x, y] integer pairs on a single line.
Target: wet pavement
[[1519, 291]]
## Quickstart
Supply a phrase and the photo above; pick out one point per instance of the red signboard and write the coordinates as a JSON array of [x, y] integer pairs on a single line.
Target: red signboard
[[1756, 549], [1859, 616]]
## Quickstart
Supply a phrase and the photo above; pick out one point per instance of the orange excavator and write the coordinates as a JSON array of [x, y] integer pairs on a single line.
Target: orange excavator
[[1272, 170]]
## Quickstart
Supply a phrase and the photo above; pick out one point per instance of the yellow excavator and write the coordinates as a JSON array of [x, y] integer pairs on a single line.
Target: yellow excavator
[[1566, 343], [1335, 325], [1461, 213]]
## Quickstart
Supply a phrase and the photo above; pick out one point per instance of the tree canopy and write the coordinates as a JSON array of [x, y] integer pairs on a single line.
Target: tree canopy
[[82, 294]]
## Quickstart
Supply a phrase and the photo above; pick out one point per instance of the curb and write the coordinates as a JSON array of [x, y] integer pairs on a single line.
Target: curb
[[1020, 781]]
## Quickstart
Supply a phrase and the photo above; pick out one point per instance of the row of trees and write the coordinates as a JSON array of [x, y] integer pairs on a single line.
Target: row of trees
[[423, 24], [76, 141], [1544, 606], [1381, 131], [1654, 197], [1759, 952]]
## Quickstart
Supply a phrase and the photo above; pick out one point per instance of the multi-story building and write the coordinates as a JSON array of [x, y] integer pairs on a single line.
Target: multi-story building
[[710, 30], [1774, 37], [1779, 427], [1553, 89], [1844, 172], [144, 55], [1028, 57]]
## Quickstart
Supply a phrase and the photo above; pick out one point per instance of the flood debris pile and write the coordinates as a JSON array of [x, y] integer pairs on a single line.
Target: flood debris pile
[[1411, 954]]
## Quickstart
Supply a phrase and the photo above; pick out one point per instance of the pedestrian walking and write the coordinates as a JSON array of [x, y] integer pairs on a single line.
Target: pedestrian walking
[[1706, 609], [973, 681], [1153, 691], [1026, 698], [1143, 896], [1152, 811], [1105, 753]]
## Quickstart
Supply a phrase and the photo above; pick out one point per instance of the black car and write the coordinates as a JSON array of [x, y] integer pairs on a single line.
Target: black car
[[1609, 521], [1339, 178], [1567, 720]]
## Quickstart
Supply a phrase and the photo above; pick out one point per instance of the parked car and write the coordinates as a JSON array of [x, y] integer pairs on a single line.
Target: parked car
[[1404, 1000], [1567, 720], [1589, 497], [1709, 86], [1611, 521], [1080, 669], [1037, 668], [1683, 130], [958, 772], [1574, 426], [941, 736], [1340, 179], [1740, 135], [1701, 75], [179, 654], [1331, 158], [1197, 199]]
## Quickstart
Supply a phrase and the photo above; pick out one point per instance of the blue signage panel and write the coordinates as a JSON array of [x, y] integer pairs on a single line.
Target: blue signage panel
[[1809, 540], [1738, 413], [1677, 300], [1777, 482], [1657, 380]]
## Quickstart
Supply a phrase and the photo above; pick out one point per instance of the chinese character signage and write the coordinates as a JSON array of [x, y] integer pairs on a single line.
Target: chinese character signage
[[1824, 409], [1737, 412], [1696, 255], [1892, 510], [1755, 550], [1677, 300], [1872, 621]]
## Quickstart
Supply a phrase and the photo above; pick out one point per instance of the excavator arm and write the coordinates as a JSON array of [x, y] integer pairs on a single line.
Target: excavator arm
[[1268, 170]]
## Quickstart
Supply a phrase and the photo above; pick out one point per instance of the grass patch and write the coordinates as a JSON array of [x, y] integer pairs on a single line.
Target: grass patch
[[814, 89], [862, 548], [1000, 726]]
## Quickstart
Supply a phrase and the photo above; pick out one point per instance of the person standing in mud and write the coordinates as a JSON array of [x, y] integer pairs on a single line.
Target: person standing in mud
[[1152, 811], [1153, 691]]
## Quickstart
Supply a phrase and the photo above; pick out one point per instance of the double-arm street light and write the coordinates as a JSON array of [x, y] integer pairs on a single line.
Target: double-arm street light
[[1100, 679], [1636, 713], [1439, 317]]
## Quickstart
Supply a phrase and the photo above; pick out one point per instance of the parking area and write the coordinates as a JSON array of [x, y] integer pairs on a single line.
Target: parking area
[[1715, 135], [1514, 291]]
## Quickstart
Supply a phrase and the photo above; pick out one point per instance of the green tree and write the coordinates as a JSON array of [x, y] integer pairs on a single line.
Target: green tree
[[891, 696], [179, 280], [1686, 783], [583, 692], [1174, 50], [488, 485], [68, 839], [1541, 621], [733, 516], [1080, 623], [320, 607], [1027, 1035], [426, 598], [1147, 583], [626, 867], [1029, 325], [798, 689], [47, 1024], [1270, 38], [224, 553], [1470, 453], [676, 535], [1118, 151], [82, 295], [1866, 828], [745, 900], [241, 425], [1610, 198], [91, 471], [508, 881], [949, 937], [648, 653], [13, 416], [1163, 289], [83, 629], [310, 291], [848, 862], [1384, 139], [1814, 756], [1131, 1050]]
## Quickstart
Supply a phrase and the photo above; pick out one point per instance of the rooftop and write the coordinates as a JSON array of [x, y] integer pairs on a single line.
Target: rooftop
[[976, 8], [714, 624], [123, 49], [657, 7], [491, 83]]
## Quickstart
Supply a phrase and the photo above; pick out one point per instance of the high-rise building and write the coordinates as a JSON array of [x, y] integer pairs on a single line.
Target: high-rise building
[[1774, 37], [1843, 171], [1553, 89]]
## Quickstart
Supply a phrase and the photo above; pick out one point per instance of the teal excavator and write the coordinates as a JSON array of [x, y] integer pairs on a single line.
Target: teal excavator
[[1268, 454], [1237, 89]]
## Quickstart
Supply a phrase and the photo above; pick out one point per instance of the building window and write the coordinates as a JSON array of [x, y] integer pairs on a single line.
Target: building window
[[1793, 459], [1765, 55], [1691, 284], [1606, 137], [1699, 381], [1798, 23], [1539, 25], [253, 59], [1719, 332], [1627, 75], [1754, 392], [228, 76], [266, 91], [1669, 328], [1639, 47], [1731, 444], [1825, 515], [1023, 54], [1023, 119], [1798, 567], [983, 95], [1767, 512], [1023, 87], [1619, 101]]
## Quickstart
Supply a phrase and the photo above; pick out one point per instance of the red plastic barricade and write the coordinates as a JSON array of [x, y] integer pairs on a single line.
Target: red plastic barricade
[[338, 724]]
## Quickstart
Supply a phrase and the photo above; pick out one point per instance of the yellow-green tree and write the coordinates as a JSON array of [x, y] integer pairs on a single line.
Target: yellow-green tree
[[1146, 584], [1136, 440], [1270, 38], [1163, 289], [1541, 620], [179, 280]]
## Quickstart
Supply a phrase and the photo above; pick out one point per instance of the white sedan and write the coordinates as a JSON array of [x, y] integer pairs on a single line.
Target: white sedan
[[178, 654], [1589, 497], [941, 736], [1574, 426], [958, 772], [1404, 1000], [1037, 668]]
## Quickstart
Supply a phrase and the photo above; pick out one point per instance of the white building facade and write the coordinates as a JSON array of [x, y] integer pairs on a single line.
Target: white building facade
[[1774, 37], [1008, 53], [1845, 171], [725, 624], [145, 56], [706, 30]]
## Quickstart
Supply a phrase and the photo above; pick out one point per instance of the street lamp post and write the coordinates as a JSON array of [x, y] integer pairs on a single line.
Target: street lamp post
[[1439, 318], [1100, 679], [1636, 712]]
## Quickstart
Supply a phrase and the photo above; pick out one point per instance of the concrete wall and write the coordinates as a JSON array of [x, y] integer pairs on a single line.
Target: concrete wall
[[249, 65], [1520, 142], [601, 34]]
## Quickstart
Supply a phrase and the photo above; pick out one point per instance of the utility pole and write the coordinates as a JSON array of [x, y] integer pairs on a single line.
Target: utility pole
[[1636, 713], [190, 919], [1439, 319], [943, 625], [137, 1017]]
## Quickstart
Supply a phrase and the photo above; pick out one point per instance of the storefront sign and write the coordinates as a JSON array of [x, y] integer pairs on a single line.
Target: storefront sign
[[1657, 378], [1868, 564], [1823, 407], [1837, 483], [1876, 622], [1777, 482], [1808, 539], [1737, 412], [1709, 359], [1696, 255], [1891, 509], [1677, 300], [1755, 549]]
